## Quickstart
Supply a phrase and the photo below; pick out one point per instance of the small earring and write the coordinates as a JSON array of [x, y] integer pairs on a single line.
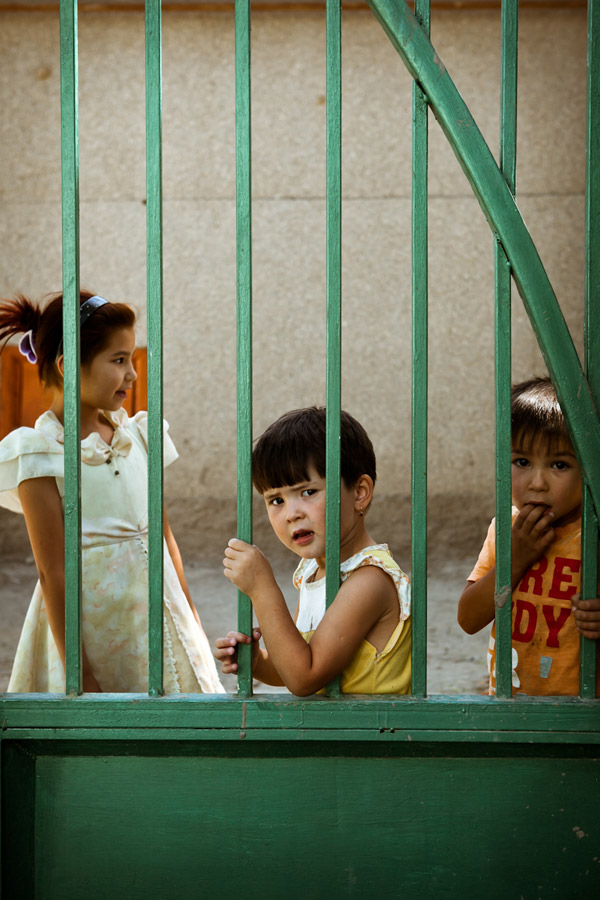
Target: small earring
[[361, 512]]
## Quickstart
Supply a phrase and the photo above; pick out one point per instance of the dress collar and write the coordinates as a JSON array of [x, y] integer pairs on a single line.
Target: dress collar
[[94, 450]]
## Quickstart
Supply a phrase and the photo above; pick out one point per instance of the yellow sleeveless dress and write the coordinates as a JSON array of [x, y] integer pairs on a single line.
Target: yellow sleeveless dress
[[386, 671]]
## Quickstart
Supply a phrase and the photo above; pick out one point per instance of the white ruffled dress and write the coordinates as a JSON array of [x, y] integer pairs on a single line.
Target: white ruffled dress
[[114, 565]]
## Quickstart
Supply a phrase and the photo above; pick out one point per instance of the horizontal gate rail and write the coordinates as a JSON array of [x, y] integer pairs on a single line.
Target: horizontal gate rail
[[455, 718]]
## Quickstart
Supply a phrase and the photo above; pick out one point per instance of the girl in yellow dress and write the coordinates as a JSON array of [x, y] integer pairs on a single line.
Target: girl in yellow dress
[[365, 634]]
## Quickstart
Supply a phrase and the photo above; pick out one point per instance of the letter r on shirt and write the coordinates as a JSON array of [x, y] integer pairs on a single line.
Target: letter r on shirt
[[534, 573]]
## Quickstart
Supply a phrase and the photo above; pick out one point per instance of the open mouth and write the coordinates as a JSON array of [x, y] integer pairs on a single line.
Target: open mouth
[[302, 536]]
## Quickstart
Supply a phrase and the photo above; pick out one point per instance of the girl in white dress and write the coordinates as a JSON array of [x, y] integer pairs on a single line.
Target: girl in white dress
[[114, 516]]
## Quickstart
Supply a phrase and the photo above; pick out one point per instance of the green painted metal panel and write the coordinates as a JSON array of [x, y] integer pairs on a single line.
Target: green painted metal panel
[[17, 789], [499, 207], [372, 743], [508, 161], [420, 272], [320, 822], [70, 256], [154, 267], [244, 316]]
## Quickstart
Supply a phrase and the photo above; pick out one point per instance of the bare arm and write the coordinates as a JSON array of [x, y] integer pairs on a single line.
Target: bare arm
[[178, 563], [476, 607], [42, 507], [363, 600], [532, 534]]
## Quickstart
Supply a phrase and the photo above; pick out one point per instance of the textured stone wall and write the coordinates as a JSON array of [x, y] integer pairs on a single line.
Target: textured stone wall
[[289, 231]]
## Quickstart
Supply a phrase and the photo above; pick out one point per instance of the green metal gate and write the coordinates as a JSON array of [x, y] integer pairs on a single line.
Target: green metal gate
[[157, 796]]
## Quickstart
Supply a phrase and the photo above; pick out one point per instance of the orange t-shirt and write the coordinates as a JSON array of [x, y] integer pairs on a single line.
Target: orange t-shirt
[[545, 641]]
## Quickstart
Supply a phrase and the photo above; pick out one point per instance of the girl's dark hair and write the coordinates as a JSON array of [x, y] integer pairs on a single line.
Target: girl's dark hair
[[285, 452], [19, 314], [536, 413]]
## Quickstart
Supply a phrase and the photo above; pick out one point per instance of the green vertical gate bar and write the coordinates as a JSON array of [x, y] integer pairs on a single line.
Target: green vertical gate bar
[[500, 209], [334, 301], [420, 151], [508, 164], [589, 576], [70, 264], [154, 268], [244, 316]]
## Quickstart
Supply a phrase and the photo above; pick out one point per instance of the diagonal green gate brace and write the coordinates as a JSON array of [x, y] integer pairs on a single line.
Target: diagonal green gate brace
[[500, 209]]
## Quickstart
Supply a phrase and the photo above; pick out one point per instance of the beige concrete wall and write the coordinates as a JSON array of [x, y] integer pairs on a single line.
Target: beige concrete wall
[[289, 229]]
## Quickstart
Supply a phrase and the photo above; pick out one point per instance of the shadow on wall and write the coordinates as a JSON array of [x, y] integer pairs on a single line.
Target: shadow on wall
[[456, 528]]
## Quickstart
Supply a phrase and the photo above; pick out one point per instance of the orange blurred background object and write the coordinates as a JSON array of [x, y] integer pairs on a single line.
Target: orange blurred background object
[[23, 399]]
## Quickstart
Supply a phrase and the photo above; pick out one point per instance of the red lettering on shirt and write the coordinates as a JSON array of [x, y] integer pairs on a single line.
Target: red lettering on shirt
[[534, 573], [526, 634], [561, 567], [554, 625]]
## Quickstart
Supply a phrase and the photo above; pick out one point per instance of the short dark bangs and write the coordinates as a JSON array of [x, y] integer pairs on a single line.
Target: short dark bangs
[[286, 451], [536, 416]]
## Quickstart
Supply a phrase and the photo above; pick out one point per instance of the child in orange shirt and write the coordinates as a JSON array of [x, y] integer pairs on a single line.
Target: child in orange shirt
[[548, 615]]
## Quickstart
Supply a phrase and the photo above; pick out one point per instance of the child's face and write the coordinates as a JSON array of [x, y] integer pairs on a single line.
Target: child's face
[[548, 475], [107, 378], [297, 514]]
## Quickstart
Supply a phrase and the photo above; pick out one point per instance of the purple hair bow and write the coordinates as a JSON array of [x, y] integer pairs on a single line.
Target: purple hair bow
[[26, 347]]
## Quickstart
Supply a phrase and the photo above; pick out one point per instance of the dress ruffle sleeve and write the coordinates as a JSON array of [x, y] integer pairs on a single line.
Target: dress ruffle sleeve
[[27, 453], [140, 420], [379, 555], [375, 555]]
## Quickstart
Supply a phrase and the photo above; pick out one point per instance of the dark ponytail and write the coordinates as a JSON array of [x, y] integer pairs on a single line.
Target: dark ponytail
[[17, 316], [20, 315]]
